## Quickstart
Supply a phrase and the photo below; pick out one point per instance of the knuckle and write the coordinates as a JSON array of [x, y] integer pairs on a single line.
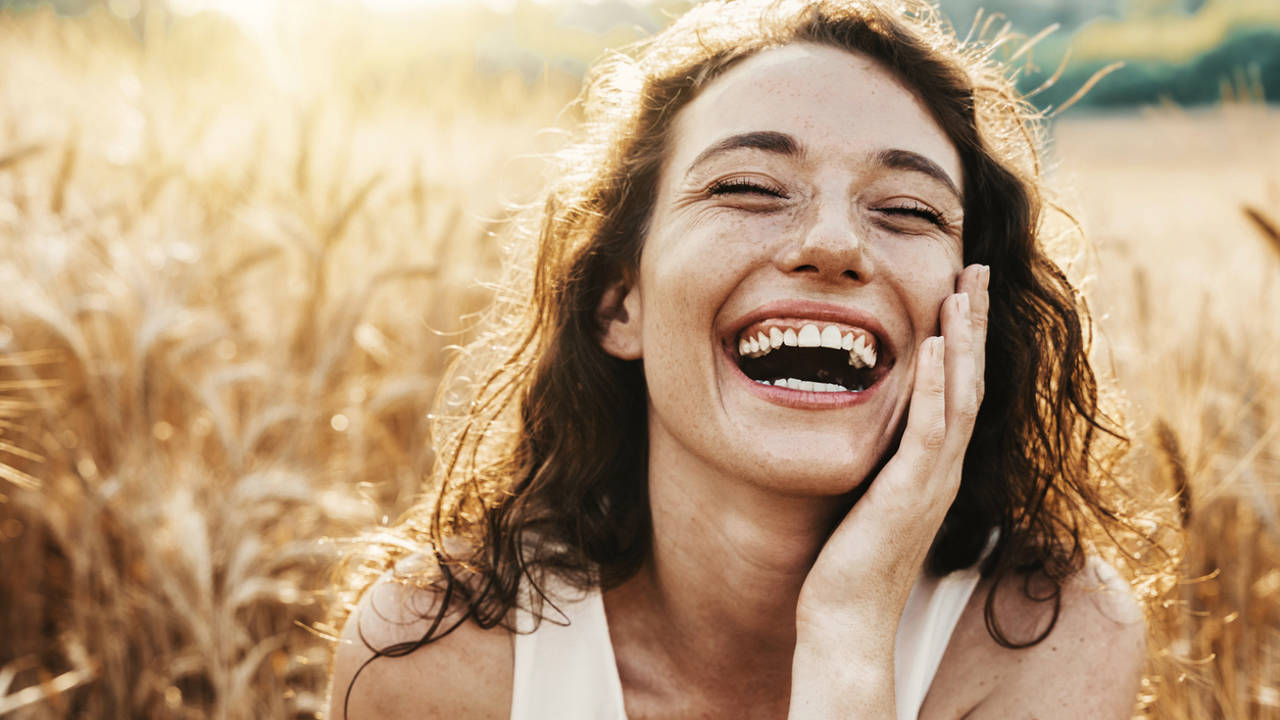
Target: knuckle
[[936, 385], [934, 435], [979, 330]]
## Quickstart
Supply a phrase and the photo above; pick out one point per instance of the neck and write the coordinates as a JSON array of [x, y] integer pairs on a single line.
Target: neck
[[728, 559]]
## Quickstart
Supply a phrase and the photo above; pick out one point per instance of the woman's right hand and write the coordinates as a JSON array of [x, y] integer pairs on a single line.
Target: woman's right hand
[[852, 599]]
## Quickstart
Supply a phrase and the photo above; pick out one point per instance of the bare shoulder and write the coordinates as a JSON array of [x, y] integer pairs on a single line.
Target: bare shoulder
[[466, 674], [1089, 665]]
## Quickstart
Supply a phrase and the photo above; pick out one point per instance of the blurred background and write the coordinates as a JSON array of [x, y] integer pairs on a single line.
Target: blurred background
[[238, 240]]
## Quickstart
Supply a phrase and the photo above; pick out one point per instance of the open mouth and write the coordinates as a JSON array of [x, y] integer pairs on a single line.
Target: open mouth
[[811, 355]]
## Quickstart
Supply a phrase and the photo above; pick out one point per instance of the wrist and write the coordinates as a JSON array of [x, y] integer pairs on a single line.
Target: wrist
[[840, 673], [827, 685], [847, 632]]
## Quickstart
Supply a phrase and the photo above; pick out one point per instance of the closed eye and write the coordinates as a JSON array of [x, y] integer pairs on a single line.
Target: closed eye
[[745, 186], [915, 210]]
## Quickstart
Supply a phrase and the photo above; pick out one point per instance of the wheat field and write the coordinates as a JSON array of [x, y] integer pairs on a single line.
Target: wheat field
[[229, 289]]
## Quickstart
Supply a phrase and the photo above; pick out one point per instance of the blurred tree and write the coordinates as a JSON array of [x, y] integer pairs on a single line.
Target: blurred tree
[[1149, 8], [62, 7], [1030, 16], [1244, 67]]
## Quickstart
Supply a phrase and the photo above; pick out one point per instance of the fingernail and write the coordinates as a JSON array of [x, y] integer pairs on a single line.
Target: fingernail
[[984, 277], [936, 350], [962, 304]]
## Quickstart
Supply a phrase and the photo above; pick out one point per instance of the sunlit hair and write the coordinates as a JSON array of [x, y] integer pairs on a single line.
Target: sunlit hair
[[541, 436]]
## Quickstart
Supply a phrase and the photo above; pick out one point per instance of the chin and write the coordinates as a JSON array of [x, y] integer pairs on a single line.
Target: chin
[[793, 469]]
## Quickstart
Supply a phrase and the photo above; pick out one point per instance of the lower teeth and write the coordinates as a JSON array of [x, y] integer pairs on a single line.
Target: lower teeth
[[810, 386]]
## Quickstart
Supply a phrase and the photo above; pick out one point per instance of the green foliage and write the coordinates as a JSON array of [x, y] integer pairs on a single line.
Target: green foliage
[[1245, 65], [62, 7]]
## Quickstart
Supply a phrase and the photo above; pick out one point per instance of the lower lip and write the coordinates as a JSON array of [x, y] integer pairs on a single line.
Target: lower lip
[[802, 399]]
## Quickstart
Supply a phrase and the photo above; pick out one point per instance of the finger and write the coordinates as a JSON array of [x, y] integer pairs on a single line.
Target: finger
[[925, 434], [974, 281], [963, 378]]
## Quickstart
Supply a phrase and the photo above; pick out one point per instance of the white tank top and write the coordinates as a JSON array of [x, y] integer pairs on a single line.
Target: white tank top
[[565, 669]]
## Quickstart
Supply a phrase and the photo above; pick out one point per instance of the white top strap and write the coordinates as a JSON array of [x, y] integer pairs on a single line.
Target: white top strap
[[932, 612], [565, 670]]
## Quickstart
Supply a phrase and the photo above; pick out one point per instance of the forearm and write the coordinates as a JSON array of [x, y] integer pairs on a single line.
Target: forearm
[[841, 674]]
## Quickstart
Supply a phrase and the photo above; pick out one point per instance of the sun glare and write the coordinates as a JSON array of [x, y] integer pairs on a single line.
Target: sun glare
[[261, 15], [255, 15]]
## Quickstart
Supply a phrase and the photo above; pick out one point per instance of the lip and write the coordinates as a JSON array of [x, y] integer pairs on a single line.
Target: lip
[[807, 310]]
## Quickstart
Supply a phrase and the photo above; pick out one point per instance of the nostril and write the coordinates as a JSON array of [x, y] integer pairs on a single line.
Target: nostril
[[806, 268], [850, 274]]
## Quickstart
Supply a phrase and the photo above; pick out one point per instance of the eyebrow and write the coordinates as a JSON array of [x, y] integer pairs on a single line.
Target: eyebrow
[[767, 140], [915, 162], [783, 144]]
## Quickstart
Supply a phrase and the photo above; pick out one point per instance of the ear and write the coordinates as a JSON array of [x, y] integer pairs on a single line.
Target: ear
[[618, 318]]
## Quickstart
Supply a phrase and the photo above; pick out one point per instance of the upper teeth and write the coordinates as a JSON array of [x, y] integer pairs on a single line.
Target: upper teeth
[[861, 347]]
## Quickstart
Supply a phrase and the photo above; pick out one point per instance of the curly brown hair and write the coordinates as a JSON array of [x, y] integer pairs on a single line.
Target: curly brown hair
[[541, 435]]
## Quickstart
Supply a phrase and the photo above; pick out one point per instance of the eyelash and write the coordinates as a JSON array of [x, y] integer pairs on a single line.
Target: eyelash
[[748, 185], [924, 212], [745, 185]]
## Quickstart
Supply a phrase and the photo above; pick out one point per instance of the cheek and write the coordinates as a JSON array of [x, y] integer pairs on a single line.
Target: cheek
[[926, 276], [692, 267]]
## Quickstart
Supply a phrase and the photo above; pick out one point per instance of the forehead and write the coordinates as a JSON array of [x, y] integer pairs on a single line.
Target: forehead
[[840, 105]]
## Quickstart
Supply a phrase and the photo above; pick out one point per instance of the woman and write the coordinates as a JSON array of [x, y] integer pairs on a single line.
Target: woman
[[726, 458]]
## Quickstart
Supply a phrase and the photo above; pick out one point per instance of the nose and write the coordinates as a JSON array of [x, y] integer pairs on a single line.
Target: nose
[[831, 248]]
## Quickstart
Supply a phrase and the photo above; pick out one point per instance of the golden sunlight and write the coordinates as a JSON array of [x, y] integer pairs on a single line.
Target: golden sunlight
[[260, 15], [242, 243]]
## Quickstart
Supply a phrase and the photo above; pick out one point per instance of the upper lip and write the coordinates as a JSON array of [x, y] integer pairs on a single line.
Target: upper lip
[[818, 312]]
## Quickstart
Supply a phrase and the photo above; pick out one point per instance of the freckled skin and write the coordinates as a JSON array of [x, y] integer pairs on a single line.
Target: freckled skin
[[710, 259], [720, 621]]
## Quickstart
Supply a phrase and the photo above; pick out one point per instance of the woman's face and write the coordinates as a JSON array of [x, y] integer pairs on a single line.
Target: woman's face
[[808, 198]]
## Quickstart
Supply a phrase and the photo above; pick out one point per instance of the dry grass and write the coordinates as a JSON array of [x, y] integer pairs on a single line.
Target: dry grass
[[1179, 207], [223, 318], [228, 298]]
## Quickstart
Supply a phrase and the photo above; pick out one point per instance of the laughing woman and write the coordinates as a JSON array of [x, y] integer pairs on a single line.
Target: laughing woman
[[788, 415]]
